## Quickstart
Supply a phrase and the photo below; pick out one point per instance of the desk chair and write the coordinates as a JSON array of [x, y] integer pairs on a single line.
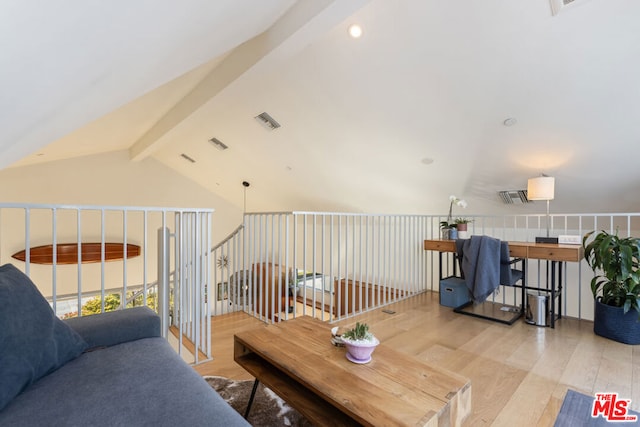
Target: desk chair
[[508, 276]]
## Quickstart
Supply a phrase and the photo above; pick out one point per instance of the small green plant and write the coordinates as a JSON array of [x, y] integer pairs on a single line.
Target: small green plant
[[463, 221], [359, 333]]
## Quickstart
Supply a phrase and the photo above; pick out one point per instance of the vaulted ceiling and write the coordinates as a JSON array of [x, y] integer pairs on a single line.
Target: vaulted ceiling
[[393, 122]]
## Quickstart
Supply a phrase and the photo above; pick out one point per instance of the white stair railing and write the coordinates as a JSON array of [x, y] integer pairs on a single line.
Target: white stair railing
[[68, 287], [281, 265], [335, 265], [275, 265]]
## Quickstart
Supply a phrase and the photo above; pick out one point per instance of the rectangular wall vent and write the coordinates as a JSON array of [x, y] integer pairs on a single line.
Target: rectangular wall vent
[[511, 197], [267, 121], [218, 144]]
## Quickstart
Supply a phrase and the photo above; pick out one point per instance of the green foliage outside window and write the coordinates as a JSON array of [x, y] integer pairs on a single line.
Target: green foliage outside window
[[94, 305], [112, 303]]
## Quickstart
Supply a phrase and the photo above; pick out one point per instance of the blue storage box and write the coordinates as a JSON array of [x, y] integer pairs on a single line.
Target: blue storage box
[[454, 292]]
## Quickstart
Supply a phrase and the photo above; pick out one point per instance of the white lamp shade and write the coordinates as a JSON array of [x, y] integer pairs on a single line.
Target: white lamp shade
[[541, 188]]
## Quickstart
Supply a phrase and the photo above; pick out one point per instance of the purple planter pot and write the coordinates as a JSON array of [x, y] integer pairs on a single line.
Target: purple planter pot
[[360, 352]]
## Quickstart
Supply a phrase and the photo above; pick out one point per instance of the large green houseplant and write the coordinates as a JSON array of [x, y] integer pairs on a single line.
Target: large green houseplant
[[615, 285]]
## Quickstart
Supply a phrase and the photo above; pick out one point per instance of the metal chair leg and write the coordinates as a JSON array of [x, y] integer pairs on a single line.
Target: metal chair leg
[[253, 394]]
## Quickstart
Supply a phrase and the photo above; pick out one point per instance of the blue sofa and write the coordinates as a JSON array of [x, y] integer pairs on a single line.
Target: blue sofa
[[111, 369]]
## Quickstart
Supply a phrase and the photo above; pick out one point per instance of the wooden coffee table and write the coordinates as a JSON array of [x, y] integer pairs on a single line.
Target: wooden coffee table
[[297, 361]]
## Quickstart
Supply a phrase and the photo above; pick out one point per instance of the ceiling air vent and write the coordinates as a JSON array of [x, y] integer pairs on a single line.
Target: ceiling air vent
[[267, 121], [513, 197], [187, 158], [218, 144], [558, 5]]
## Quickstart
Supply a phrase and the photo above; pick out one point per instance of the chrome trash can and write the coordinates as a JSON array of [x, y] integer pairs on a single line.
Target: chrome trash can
[[537, 308]]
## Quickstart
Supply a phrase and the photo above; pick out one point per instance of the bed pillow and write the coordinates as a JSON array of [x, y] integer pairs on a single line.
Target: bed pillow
[[33, 341]]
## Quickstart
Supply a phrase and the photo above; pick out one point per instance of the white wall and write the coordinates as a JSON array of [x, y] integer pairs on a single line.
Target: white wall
[[112, 179], [106, 179]]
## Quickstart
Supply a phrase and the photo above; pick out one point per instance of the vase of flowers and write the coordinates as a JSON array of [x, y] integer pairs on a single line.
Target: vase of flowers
[[447, 226]]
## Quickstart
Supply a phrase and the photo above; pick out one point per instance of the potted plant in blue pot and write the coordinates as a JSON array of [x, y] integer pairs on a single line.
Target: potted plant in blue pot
[[615, 286]]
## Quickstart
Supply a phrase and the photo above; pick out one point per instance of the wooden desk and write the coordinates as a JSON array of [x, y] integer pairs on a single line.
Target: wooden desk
[[297, 361], [555, 253], [528, 250]]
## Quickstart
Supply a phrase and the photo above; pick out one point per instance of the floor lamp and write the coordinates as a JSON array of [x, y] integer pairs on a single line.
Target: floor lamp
[[542, 188]]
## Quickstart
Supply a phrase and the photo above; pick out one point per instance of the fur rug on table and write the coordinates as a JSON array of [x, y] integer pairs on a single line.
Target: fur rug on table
[[267, 410]]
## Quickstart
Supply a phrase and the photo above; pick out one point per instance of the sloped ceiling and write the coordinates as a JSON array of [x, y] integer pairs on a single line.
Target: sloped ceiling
[[393, 122], [66, 63]]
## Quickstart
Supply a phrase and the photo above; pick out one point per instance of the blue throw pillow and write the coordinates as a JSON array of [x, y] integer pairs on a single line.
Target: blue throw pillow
[[33, 341]]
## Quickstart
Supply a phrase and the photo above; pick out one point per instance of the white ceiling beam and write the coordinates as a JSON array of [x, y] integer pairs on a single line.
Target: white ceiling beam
[[304, 21]]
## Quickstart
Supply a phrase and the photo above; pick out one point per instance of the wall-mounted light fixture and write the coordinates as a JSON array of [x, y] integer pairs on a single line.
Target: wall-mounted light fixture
[[246, 185]]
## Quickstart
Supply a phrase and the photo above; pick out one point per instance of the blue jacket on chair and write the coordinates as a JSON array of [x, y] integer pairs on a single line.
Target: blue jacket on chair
[[480, 264]]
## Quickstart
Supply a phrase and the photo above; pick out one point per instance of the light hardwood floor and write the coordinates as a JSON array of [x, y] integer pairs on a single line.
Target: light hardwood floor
[[519, 373]]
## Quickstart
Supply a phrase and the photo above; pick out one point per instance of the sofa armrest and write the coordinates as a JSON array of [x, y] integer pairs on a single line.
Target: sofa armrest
[[116, 327]]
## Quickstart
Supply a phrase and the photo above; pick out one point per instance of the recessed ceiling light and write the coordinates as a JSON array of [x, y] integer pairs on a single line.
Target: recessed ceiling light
[[355, 31], [510, 121]]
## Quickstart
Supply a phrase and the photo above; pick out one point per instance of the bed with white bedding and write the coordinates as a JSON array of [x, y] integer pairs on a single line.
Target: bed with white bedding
[[311, 285]]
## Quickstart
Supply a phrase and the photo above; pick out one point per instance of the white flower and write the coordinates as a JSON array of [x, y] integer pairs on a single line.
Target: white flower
[[458, 202]]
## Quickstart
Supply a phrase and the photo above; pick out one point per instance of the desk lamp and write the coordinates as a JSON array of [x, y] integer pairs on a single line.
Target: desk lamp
[[541, 188]]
